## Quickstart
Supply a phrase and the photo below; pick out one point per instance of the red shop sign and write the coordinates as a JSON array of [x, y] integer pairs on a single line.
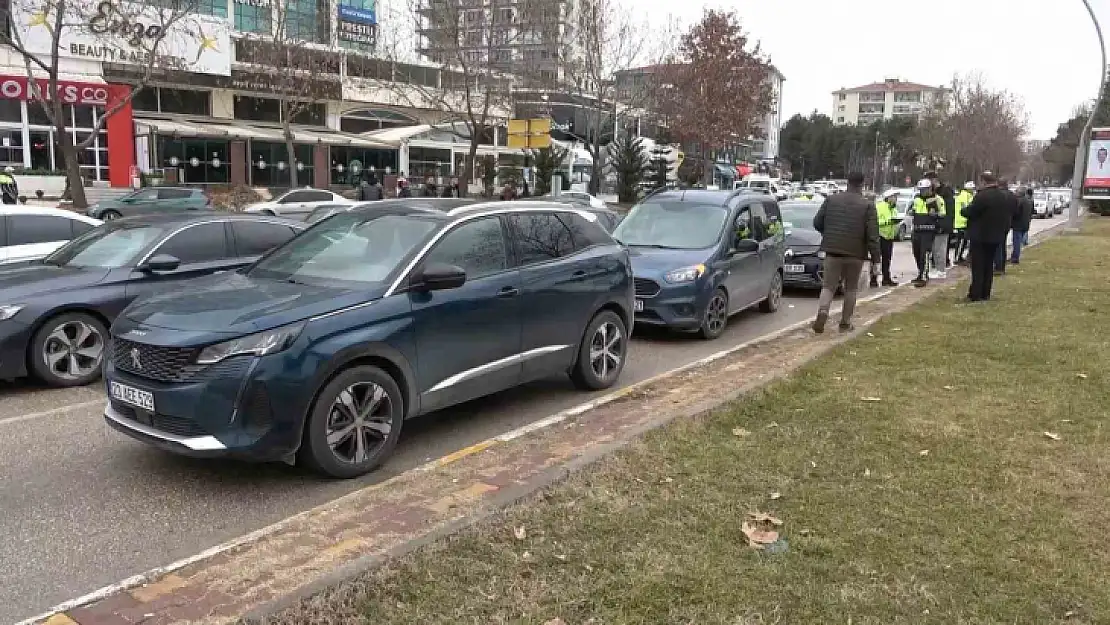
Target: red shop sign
[[15, 88]]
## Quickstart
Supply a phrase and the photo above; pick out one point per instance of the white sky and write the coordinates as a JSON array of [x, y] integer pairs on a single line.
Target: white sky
[[1044, 51]]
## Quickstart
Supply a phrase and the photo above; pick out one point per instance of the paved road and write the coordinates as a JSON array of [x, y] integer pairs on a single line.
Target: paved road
[[83, 507]]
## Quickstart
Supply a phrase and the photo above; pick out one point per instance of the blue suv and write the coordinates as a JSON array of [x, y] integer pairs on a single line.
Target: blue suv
[[318, 352], [700, 256]]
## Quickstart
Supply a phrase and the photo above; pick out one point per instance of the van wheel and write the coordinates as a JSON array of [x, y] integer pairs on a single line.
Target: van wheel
[[109, 215], [68, 350], [715, 318], [354, 424], [602, 354], [774, 295]]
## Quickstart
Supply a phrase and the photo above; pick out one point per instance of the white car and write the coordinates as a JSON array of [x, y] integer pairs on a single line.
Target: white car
[[595, 202], [297, 202], [1042, 205], [32, 232]]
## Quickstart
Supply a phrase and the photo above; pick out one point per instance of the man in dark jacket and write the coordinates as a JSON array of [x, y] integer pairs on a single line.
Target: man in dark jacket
[[1020, 230], [369, 190], [941, 260], [849, 228], [989, 217], [1000, 254]]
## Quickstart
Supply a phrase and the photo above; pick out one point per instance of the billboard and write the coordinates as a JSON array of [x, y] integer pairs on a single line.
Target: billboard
[[1096, 180]]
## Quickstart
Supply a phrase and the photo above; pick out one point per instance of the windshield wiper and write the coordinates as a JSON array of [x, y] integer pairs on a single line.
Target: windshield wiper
[[656, 246]]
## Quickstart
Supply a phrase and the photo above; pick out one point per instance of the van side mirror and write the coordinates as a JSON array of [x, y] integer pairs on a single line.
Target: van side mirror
[[160, 262], [744, 246]]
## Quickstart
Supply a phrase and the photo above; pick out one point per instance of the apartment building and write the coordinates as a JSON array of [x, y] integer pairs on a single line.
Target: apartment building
[[536, 40], [767, 147], [893, 97]]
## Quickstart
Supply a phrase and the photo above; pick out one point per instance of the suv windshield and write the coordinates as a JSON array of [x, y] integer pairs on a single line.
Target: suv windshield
[[674, 225], [106, 247], [346, 250]]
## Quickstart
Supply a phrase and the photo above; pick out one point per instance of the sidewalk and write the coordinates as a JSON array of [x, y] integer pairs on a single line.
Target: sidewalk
[[949, 465]]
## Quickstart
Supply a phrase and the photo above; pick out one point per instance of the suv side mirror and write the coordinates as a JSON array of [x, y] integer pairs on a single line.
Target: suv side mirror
[[744, 246], [160, 262], [438, 277]]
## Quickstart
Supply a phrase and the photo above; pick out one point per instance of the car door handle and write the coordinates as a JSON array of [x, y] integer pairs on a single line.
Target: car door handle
[[579, 273], [508, 291]]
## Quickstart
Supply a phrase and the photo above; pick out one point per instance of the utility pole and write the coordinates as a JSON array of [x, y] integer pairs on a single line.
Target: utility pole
[[1081, 149]]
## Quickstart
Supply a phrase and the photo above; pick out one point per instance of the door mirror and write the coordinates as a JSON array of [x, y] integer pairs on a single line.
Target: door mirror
[[160, 262], [744, 246], [438, 277]]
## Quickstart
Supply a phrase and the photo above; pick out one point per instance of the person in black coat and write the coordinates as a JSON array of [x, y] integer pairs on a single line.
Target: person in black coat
[[1015, 207], [989, 217], [1020, 230]]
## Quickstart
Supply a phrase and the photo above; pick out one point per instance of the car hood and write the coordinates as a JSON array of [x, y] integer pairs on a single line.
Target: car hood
[[233, 303], [802, 237], [650, 261], [21, 282]]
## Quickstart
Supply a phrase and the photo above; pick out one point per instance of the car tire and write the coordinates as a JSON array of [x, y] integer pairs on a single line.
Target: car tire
[[602, 354], [110, 215], [774, 295], [336, 425], [269, 212], [714, 319], [68, 350]]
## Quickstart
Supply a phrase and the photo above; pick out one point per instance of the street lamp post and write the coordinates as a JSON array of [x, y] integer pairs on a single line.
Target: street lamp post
[[1081, 149]]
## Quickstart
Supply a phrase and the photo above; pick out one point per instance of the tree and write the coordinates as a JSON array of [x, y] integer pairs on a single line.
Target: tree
[[547, 161], [301, 77], [148, 36], [629, 160], [717, 86], [474, 45]]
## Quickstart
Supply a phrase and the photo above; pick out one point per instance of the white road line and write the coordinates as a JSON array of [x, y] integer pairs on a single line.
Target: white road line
[[52, 412]]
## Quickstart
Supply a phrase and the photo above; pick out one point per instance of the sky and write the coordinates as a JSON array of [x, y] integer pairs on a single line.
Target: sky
[[1045, 52]]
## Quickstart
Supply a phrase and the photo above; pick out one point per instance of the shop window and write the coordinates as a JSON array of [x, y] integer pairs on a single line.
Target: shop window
[[349, 164], [376, 69], [41, 153], [198, 161], [252, 18], [257, 109], [314, 114], [11, 147], [11, 111], [217, 8], [308, 20], [36, 116], [82, 116], [269, 164], [184, 101], [145, 99]]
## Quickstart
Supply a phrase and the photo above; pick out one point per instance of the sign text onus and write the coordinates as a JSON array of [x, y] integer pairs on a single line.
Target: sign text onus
[[16, 88]]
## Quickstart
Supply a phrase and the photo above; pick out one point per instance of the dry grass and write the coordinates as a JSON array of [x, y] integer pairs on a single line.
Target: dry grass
[[996, 523]]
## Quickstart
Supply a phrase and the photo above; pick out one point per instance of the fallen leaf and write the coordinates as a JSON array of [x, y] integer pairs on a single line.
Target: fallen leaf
[[741, 432], [812, 464], [1054, 436], [1069, 613], [871, 399], [804, 531], [924, 326], [837, 378], [871, 335], [555, 621], [774, 424], [520, 533], [896, 329], [561, 558], [526, 556], [852, 353], [666, 480], [1081, 376], [758, 537], [763, 517], [776, 495], [867, 473], [1066, 421], [949, 388], [923, 452]]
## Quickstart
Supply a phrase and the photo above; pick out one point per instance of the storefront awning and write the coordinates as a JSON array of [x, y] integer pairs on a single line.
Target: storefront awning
[[217, 128], [394, 136]]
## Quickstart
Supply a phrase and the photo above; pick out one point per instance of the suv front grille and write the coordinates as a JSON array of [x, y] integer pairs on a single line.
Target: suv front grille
[[164, 364], [645, 287]]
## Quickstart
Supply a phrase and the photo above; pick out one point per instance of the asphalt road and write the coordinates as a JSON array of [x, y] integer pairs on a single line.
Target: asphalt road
[[83, 507]]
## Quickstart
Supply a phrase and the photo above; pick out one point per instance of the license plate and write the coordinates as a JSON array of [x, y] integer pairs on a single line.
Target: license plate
[[639, 306], [794, 268], [131, 395]]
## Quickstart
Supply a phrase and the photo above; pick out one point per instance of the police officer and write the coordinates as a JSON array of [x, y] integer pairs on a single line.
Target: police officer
[[886, 211], [963, 198], [8, 186], [928, 212]]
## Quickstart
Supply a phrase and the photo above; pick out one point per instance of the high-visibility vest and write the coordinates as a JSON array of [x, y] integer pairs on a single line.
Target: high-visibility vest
[[962, 200], [888, 224]]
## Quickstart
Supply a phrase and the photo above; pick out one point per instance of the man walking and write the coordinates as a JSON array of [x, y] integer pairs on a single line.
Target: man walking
[[888, 231], [1000, 253], [988, 219], [944, 227], [849, 231], [1020, 232], [928, 209], [959, 221]]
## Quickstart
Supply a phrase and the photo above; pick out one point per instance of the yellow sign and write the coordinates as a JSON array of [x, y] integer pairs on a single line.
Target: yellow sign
[[529, 133]]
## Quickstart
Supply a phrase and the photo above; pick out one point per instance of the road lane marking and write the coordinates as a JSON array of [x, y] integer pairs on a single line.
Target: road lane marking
[[51, 412], [152, 574]]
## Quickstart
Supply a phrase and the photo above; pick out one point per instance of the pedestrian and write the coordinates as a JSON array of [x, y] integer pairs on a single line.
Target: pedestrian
[[941, 261], [886, 211], [928, 209], [849, 231], [8, 186], [369, 190], [989, 218], [1000, 253], [430, 189], [403, 188], [1020, 229], [959, 222]]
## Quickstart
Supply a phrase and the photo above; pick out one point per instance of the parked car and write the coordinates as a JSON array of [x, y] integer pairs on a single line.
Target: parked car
[[150, 200], [323, 348], [700, 256], [607, 217], [55, 313], [297, 202], [1042, 205], [592, 200], [443, 204], [29, 232], [803, 263]]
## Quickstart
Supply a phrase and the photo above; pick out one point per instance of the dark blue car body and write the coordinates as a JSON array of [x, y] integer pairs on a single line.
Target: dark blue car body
[[725, 273], [441, 347]]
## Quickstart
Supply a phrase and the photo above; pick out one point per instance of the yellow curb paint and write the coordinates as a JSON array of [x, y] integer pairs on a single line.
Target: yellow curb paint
[[153, 590], [466, 451], [470, 493], [60, 619]]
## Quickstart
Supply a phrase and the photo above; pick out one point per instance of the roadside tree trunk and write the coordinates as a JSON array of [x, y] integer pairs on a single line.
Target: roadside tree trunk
[[74, 180], [292, 155]]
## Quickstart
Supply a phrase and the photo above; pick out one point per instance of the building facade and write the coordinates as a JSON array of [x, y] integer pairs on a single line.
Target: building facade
[[766, 147], [893, 97]]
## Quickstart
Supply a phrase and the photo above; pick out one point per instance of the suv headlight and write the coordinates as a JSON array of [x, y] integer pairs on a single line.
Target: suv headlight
[[7, 311], [788, 253], [820, 254], [686, 274], [260, 344]]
